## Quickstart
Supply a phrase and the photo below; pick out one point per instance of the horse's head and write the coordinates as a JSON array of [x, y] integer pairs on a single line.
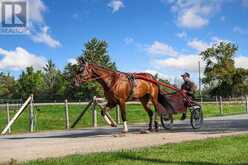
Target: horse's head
[[84, 72]]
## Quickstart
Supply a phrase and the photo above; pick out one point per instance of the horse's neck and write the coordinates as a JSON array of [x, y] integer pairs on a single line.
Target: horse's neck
[[106, 77]]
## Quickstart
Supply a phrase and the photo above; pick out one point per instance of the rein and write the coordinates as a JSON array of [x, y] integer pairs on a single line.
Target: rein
[[137, 76]]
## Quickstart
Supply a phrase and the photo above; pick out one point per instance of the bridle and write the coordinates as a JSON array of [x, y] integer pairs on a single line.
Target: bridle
[[95, 78]]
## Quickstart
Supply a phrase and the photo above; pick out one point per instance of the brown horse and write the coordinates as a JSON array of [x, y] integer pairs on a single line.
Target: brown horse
[[118, 88]]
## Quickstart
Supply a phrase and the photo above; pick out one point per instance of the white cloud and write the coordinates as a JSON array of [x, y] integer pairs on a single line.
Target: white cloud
[[216, 39], [159, 48], [116, 5], [181, 35], [182, 63], [37, 28], [128, 40], [240, 30], [198, 45], [194, 14], [241, 62], [19, 59], [190, 19], [223, 18], [244, 3], [43, 37], [35, 10], [72, 61], [75, 16], [160, 75]]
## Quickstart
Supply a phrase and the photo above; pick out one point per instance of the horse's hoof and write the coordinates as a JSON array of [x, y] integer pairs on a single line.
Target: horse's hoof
[[150, 129], [113, 125], [156, 129], [145, 131], [124, 131]]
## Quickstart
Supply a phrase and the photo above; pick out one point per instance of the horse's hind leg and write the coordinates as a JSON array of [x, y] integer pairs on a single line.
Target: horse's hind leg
[[155, 103], [145, 101], [154, 99]]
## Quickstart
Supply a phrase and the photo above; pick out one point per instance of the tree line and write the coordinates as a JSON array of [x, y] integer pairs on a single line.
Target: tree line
[[50, 83], [221, 77]]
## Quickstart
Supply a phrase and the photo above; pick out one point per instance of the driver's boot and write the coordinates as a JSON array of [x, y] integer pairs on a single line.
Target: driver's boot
[[183, 117]]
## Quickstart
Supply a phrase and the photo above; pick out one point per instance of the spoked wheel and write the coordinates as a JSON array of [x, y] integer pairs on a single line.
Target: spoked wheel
[[166, 120], [196, 118]]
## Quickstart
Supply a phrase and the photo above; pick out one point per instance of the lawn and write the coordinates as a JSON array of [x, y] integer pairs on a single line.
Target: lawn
[[52, 117], [220, 151]]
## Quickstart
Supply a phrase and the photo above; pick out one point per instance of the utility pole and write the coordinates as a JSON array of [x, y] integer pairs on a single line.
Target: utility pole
[[199, 69]]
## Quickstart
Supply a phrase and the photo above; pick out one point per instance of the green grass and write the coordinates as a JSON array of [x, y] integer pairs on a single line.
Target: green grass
[[228, 109], [52, 117], [220, 151]]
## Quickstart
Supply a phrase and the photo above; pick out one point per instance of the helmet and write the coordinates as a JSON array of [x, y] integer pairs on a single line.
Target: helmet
[[185, 75]]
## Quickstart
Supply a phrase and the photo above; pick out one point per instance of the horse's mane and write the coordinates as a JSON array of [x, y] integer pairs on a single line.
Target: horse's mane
[[117, 71], [104, 67]]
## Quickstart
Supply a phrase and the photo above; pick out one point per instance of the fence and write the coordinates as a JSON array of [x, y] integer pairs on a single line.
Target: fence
[[219, 106]]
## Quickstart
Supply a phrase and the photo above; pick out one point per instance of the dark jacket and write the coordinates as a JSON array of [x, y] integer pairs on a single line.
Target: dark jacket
[[189, 86]]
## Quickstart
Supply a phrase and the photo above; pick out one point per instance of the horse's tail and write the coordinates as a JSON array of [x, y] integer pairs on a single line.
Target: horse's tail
[[164, 101]]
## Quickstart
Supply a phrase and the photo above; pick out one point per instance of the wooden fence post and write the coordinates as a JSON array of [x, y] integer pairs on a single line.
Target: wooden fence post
[[16, 116], [8, 116], [217, 102], [94, 113], [31, 115], [246, 104], [118, 114], [67, 120], [221, 106]]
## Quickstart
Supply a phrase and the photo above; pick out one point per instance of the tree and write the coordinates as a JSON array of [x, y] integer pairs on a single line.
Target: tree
[[96, 52], [7, 85], [30, 82], [220, 75], [53, 81], [240, 82]]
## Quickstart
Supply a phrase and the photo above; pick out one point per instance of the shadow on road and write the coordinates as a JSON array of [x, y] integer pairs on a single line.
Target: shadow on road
[[160, 161], [209, 127]]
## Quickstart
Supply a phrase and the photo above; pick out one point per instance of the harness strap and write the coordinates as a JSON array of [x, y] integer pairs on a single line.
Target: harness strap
[[131, 80]]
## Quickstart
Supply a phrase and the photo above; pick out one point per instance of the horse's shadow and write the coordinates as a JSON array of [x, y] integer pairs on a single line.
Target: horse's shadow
[[210, 127], [146, 160], [80, 133]]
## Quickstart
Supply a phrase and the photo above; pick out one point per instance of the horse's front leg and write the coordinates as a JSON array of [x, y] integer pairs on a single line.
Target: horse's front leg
[[106, 116], [123, 116]]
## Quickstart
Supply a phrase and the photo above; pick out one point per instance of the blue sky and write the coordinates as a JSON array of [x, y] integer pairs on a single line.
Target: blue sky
[[163, 36]]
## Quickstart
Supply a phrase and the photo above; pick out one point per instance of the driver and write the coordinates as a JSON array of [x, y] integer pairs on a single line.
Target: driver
[[188, 87]]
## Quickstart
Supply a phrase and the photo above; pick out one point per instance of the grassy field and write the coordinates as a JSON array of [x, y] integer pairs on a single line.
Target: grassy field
[[52, 117], [220, 151]]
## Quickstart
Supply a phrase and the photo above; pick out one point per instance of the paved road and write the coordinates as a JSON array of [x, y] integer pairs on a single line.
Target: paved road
[[31, 146]]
